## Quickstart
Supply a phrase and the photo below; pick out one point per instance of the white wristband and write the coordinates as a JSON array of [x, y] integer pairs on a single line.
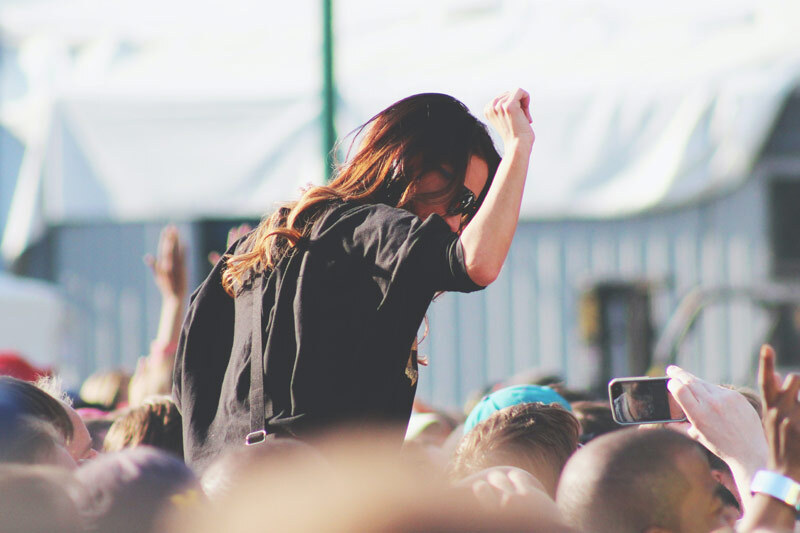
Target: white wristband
[[779, 487]]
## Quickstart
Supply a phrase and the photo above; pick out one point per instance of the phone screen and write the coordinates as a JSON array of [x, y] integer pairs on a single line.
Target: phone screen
[[643, 401]]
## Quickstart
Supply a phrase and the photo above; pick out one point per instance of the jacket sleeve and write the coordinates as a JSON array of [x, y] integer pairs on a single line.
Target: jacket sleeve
[[401, 245]]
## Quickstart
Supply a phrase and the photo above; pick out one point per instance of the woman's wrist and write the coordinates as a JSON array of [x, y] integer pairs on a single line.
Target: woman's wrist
[[517, 146]]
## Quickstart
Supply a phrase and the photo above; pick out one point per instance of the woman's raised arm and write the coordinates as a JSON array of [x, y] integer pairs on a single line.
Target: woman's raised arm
[[487, 238]]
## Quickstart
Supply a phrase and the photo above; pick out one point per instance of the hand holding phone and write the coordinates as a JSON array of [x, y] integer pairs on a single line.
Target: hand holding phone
[[723, 421], [643, 400]]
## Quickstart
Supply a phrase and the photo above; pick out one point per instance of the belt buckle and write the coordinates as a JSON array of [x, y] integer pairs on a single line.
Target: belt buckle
[[256, 437]]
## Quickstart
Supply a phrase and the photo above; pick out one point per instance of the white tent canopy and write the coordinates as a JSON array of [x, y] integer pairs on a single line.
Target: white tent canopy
[[33, 319], [140, 109]]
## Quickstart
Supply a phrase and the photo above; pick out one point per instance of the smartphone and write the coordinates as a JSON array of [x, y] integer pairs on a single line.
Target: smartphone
[[643, 400]]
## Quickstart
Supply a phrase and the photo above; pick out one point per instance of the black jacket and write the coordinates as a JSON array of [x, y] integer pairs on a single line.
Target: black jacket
[[340, 315]]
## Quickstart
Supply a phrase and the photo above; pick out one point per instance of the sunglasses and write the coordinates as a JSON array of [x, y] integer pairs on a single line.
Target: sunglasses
[[465, 204]]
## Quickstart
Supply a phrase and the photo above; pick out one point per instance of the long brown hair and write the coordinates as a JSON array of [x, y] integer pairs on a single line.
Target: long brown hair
[[417, 135]]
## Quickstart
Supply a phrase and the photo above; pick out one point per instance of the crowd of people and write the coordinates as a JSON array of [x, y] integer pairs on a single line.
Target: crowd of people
[[282, 399]]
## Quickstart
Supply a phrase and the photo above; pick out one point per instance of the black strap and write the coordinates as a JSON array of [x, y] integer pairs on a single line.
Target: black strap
[[258, 433]]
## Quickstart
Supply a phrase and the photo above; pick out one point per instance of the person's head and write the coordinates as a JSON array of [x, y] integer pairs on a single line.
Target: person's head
[[79, 442], [508, 396], [426, 153], [106, 389], [595, 419], [37, 499], [535, 437], [156, 422], [32, 401], [27, 400], [126, 491], [417, 154], [640, 481], [31, 441]]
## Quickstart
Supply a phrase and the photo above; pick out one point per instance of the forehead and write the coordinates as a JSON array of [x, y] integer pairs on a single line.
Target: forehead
[[432, 182], [475, 177], [477, 174]]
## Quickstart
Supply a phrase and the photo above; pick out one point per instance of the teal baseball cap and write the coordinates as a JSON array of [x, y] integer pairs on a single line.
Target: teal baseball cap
[[500, 399]]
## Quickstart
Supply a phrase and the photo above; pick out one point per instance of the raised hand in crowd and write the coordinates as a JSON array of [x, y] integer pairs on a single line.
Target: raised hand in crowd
[[169, 265], [170, 275], [782, 416], [153, 373], [725, 423], [774, 508], [234, 234], [502, 486], [513, 489]]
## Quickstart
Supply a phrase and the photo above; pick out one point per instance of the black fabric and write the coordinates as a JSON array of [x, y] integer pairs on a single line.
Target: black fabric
[[340, 315]]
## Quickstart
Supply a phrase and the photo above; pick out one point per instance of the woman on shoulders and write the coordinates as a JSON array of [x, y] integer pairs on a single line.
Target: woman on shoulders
[[325, 297]]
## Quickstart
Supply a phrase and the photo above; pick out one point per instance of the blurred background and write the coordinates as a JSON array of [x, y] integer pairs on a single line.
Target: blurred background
[[661, 217]]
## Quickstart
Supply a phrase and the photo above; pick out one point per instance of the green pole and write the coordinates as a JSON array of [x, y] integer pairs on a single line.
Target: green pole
[[328, 89]]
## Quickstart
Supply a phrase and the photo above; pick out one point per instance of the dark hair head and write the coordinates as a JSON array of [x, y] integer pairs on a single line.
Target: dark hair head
[[156, 423], [28, 400], [536, 437], [419, 134], [627, 480], [595, 418]]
